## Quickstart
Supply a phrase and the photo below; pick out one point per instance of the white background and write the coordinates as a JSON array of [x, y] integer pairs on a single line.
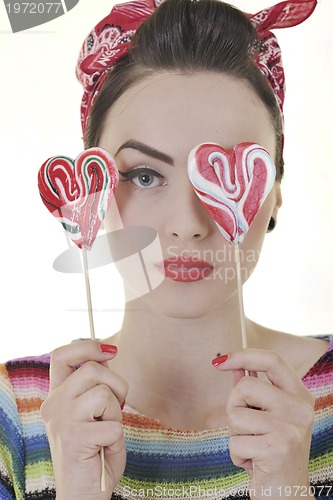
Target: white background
[[291, 289]]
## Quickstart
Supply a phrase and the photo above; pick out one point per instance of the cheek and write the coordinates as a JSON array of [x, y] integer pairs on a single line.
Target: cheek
[[134, 208], [122, 212], [124, 206]]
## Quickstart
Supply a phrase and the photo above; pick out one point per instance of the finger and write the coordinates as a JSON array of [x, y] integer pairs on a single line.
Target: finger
[[243, 449], [99, 403], [88, 438], [65, 360], [266, 449], [253, 392], [261, 394], [108, 434], [250, 421], [277, 370], [89, 375], [237, 375]]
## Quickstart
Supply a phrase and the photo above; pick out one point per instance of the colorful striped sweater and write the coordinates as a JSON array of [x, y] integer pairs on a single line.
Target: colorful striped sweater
[[162, 463]]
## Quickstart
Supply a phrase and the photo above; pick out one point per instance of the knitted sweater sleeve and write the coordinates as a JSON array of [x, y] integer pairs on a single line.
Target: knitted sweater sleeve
[[11, 442], [26, 471]]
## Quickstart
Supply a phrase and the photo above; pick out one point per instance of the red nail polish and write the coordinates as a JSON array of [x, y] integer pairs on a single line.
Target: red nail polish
[[108, 348], [122, 404], [220, 360]]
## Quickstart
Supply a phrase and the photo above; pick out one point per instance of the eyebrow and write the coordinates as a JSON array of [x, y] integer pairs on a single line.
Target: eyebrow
[[147, 150]]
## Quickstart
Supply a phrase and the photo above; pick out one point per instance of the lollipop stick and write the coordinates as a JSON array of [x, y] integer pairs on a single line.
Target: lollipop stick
[[240, 297], [92, 334], [242, 316], [86, 278]]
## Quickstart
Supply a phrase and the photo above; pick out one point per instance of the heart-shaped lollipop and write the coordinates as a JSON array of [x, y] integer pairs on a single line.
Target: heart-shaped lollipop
[[232, 184], [78, 193]]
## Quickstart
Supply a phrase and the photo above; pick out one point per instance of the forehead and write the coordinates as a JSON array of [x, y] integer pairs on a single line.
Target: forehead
[[174, 112]]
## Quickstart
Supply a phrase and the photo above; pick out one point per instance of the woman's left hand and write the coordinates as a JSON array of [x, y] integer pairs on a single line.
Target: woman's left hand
[[270, 423]]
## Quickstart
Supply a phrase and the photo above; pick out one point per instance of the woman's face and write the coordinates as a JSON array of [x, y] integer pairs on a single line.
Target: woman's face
[[151, 130]]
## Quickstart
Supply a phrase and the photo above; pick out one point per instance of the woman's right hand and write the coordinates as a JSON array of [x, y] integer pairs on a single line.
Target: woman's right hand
[[82, 414]]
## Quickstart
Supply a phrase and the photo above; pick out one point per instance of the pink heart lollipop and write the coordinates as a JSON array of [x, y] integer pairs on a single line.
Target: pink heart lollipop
[[78, 193], [232, 184]]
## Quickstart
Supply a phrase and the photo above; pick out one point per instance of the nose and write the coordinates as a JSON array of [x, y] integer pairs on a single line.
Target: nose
[[186, 218]]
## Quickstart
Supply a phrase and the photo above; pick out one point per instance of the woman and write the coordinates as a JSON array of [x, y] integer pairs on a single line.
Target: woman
[[194, 72]]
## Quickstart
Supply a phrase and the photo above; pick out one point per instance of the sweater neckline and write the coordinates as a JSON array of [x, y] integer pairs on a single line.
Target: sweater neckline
[[220, 430]]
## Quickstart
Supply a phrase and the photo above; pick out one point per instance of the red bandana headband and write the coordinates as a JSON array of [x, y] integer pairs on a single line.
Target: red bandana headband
[[109, 41]]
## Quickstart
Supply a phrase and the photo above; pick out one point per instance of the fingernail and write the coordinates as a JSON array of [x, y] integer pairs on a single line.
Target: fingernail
[[108, 348], [220, 360], [122, 404]]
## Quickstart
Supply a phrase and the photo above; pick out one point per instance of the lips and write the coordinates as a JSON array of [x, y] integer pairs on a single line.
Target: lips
[[185, 269]]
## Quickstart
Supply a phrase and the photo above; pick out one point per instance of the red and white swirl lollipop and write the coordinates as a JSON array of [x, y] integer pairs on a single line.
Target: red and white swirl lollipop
[[232, 184], [78, 193]]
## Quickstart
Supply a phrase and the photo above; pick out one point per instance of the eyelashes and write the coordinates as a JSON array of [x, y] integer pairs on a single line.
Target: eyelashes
[[143, 177]]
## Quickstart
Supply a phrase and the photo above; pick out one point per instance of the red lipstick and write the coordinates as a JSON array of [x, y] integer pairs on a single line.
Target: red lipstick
[[185, 269]]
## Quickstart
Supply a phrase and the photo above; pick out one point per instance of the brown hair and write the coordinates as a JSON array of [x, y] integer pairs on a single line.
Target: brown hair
[[188, 36]]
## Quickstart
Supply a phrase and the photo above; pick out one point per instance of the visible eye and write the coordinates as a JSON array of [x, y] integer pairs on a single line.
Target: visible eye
[[143, 177]]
